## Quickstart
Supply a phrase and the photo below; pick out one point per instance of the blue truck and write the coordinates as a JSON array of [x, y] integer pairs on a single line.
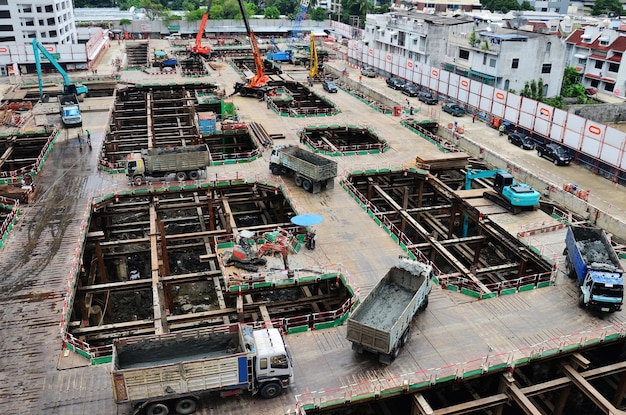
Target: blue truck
[[592, 261]]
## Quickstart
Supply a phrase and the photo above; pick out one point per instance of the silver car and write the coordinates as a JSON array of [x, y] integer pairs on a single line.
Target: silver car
[[369, 72]]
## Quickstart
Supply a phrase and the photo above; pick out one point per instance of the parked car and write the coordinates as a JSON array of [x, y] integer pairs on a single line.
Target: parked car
[[453, 109], [428, 98], [369, 72], [410, 89], [395, 83], [522, 141], [330, 86], [559, 155]]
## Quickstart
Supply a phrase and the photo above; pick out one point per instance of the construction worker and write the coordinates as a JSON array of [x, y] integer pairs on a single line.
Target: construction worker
[[88, 136], [501, 130]]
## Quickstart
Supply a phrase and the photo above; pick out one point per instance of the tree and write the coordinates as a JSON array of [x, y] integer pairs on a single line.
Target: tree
[[526, 6], [194, 15], [503, 6], [318, 14], [153, 10], [124, 23], [606, 7], [472, 38], [272, 13]]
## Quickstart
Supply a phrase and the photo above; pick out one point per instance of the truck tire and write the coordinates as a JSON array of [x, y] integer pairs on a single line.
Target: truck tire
[[138, 180], [569, 269], [275, 170], [424, 304], [194, 175], [298, 180], [186, 406], [157, 408], [581, 300], [307, 185], [271, 390], [243, 92], [181, 176]]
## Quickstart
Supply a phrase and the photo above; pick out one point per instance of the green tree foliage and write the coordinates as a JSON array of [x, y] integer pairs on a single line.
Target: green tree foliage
[[606, 7], [272, 13], [285, 6], [526, 6], [355, 8], [318, 14], [503, 6], [194, 15]]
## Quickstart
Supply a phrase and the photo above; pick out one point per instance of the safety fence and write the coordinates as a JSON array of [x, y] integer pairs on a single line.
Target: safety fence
[[15, 176], [12, 205], [377, 387], [442, 144], [450, 282]]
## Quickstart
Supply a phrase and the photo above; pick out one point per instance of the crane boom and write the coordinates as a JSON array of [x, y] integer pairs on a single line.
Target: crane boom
[[259, 79], [313, 63], [198, 48]]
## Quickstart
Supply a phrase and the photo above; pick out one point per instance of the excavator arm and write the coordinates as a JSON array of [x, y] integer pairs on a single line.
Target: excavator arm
[[313, 63], [259, 79], [198, 48]]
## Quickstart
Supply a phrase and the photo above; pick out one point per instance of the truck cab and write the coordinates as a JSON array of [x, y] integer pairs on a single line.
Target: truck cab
[[602, 291], [135, 168], [272, 364]]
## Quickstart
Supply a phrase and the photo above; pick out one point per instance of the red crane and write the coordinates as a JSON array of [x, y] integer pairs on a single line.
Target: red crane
[[198, 48]]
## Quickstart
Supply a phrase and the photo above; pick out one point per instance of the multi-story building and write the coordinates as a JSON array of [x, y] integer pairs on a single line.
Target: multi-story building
[[596, 52], [439, 6], [500, 57], [560, 6], [50, 21]]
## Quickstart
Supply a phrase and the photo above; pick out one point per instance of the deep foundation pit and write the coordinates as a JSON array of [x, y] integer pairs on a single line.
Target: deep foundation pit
[[174, 115], [136, 54], [343, 139], [246, 65], [157, 262], [423, 211], [294, 99]]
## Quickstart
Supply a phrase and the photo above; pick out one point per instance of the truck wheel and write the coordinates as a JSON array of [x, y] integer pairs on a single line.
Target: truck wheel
[[194, 175], [395, 352], [275, 170], [271, 390], [138, 180], [581, 301], [423, 306], [405, 337], [243, 92], [181, 176], [307, 185], [157, 409], [186, 406], [298, 181], [569, 270]]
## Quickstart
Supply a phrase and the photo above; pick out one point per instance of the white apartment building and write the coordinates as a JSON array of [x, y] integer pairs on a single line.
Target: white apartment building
[[500, 57], [50, 21]]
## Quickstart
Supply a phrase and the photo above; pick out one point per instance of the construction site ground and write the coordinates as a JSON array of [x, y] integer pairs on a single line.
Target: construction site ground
[[37, 376]]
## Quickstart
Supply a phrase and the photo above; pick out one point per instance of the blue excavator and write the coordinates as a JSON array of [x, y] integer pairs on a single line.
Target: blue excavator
[[506, 192], [69, 88]]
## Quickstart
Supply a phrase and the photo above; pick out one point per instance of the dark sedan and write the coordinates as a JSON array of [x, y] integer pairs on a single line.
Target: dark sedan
[[428, 98], [330, 86], [411, 90], [522, 141], [453, 109], [395, 83], [554, 152]]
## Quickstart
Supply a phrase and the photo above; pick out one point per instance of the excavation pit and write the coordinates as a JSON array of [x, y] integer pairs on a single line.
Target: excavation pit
[[340, 140]]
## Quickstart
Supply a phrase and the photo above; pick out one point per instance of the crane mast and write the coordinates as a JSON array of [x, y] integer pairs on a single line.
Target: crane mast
[[259, 79], [198, 48]]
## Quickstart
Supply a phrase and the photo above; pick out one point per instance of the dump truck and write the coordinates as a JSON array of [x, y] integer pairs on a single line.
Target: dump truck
[[311, 171], [70, 110], [380, 324], [169, 373], [185, 162], [592, 261]]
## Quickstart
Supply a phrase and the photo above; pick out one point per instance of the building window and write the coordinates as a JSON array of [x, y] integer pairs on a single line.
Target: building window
[[463, 54], [609, 86], [49, 8], [5, 14], [548, 46], [485, 59], [546, 68], [553, 28], [27, 9], [515, 63], [506, 84], [492, 63], [599, 64], [4, 3], [613, 67], [545, 90], [38, 9], [6, 28], [41, 22], [52, 33], [50, 21], [582, 61], [595, 83]]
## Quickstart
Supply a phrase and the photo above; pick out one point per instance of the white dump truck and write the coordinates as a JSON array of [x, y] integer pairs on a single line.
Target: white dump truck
[[311, 171], [168, 374], [380, 324], [185, 162], [70, 110]]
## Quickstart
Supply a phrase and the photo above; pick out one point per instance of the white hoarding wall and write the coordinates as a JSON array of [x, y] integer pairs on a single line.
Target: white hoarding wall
[[594, 140]]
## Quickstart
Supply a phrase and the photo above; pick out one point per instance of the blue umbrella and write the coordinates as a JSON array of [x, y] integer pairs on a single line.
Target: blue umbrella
[[308, 219]]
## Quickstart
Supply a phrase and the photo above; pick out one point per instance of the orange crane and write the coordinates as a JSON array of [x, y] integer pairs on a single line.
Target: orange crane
[[198, 48], [257, 84]]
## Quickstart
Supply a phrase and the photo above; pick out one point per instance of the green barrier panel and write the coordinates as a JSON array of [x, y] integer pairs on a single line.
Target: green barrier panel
[[472, 373], [285, 282], [370, 171], [366, 397], [322, 326], [592, 342], [230, 162], [342, 319], [526, 287], [391, 391], [350, 153], [142, 191], [490, 295], [238, 287], [525, 360], [386, 170], [551, 352], [469, 292], [371, 214], [508, 291], [222, 183], [404, 247], [298, 329], [387, 230], [377, 221], [101, 360], [414, 257], [261, 285], [544, 284], [446, 379], [496, 368], [175, 188], [611, 337], [571, 347], [362, 153], [452, 288], [395, 238], [417, 386], [307, 279]]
